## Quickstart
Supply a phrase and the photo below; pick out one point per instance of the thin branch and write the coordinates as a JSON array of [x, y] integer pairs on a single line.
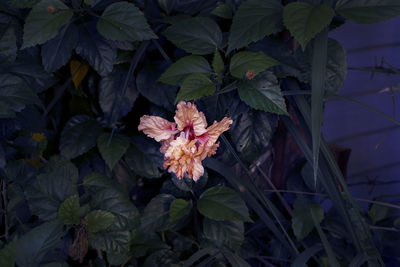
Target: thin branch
[[5, 203]]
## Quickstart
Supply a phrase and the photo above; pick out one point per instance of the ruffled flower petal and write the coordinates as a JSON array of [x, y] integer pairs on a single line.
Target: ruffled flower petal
[[157, 127], [187, 115]]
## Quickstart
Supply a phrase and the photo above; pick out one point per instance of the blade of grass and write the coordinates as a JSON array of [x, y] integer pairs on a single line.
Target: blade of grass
[[302, 259], [318, 73]]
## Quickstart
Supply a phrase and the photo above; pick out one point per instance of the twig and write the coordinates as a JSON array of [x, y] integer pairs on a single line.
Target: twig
[[5, 202]]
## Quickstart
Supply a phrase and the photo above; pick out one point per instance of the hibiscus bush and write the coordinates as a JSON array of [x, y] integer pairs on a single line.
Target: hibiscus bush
[[178, 133]]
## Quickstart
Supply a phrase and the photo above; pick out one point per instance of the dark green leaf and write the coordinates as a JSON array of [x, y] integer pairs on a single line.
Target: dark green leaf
[[250, 61], [263, 93], [235, 260], [224, 233], [179, 208], [185, 66], [69, 210], [336, 69], [24, 3], [254, 20], [57, 51], [378, 213], [99, 220], [15, 94], [51, 188], [368, 11], [111, 241], [79, 136], [302, 259], [222, 203], [223, 11], [42, 23], [251, 131], [56, 264], [99, 52], [8, 254], [156, 214], [305, 21], [217, 63], [8, 46], [198, 255], [33, 246], [194, 87], [167, 5], [112, 147], [302, 220], [124, 21], [144, 158], [199, 35], [186, 184], [157, 92]]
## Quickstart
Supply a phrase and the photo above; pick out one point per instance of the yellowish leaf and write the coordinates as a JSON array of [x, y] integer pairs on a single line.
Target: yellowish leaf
[[81, 70]]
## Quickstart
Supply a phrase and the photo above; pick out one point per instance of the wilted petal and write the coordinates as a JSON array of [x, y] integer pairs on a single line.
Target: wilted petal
[[187, 115], [157, 127]]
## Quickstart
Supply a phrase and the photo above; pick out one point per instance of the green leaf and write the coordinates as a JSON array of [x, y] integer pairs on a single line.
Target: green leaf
[[124, 21], [33, 246], [99, 220], [305, 21], [254, 20], [194, 87], [336, 69], [222, 203], [378, 213], [8, 254], [234, 259], [185, 66], [8, 45], [179, 208], [253, 61], [156, 214], [24, 3], [69, 210], [42, 23], [118, 241], [302, 259], [145, 158], [251, 132], [112, 147], [218, 62], [302, 220], [224, 233], [263, 93], [56, 264], [79, 136], [198, 35], [368, 11], [223, 11], [15, 94], [51, 188]]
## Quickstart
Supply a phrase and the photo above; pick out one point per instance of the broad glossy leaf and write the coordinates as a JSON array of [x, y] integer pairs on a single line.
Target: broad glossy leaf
[[217, 63], [250, 61], [186, 184], [144, 158], [194, 87], [263, 93], [112, 147], [8, 253], [99, 220], [15, 94], [305, 21], [24, 3], [224, 233], [223, 11], [302, 220], [99, 52], [198, 35], [51, 188], [69, 210], [185, 66], [111, 241], [8, 46], [156, 214], [179, 208], [254, 20], [115, 102], [368, 11], [155, 91], [33, 246], [108, 195], [124, 21], [252, 132], [222, 203], [79, 136], [57, 51], [44, 21]]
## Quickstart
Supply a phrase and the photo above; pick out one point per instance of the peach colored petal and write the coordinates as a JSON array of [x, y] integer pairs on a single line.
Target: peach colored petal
[[197, 169], [217, 128], [157, 127], [188, 115]]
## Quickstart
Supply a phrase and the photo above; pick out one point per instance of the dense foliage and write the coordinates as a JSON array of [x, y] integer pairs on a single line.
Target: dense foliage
[[82, 187]]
